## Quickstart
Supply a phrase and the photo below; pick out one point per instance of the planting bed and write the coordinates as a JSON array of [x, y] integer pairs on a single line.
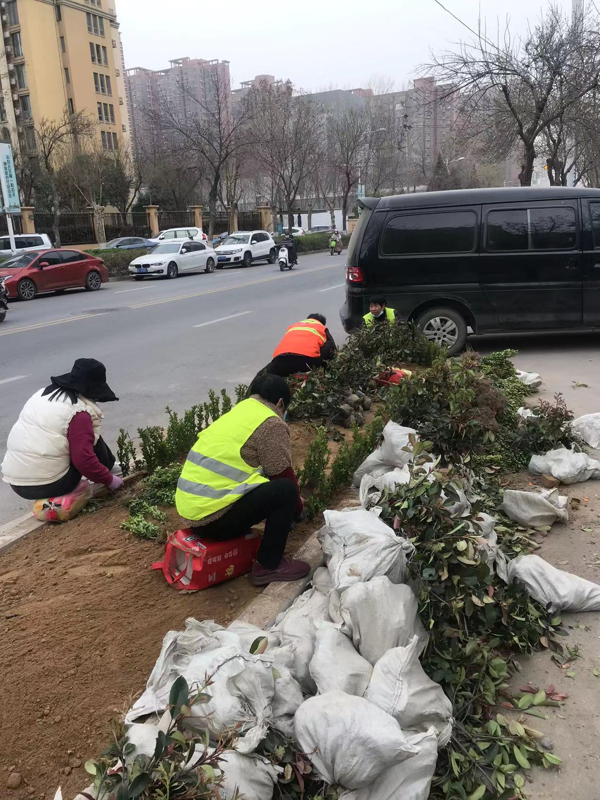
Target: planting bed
[[82, 620]]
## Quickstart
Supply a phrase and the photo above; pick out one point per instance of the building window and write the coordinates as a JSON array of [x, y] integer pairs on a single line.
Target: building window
[[100, 114], [115, 142], [105, 56], [17, 46], [103, 138], [58, 14], [63, 45], [105, 105], [2, 110], [102, 83], [93, 52], [108, 85], [67, 76], [96, 3], [97, 82], [21, 76], [112, 114], [29, 135], [12, 12], [95, 24], [26, 106], [71, 106]]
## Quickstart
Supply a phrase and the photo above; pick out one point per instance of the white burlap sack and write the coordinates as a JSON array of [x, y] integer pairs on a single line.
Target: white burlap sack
[[535, 509], [321, 580], [531, 379], [349, 740], [248, 633], [287, 699], [253, 776], [389, 455], [372, 488], [566, 466], [588, 427], [380, 615], [400, 687], [336, 665], [410, 780], [359, 546], [526, 414], [553, 588], [296, 627]]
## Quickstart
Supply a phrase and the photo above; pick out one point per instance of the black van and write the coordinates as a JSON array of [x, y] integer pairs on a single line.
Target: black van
[[486, 259]]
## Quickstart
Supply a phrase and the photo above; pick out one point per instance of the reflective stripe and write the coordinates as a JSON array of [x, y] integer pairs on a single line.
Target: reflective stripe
[[219, 467], [312, 330], [201, 490]]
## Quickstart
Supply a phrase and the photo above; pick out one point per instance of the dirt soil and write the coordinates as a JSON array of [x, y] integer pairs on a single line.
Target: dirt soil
[[82, 618]]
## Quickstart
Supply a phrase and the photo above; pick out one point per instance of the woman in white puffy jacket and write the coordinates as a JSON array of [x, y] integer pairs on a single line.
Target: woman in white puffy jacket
[[56, 440]]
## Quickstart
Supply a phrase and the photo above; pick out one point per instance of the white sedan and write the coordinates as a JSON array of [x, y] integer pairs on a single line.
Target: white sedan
[[171, 258]]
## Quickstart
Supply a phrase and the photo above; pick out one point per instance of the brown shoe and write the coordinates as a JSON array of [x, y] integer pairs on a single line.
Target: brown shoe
[[289, 569]]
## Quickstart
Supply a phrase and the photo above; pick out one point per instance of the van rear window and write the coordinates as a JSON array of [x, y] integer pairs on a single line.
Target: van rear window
[[544, 228], [430, 233]]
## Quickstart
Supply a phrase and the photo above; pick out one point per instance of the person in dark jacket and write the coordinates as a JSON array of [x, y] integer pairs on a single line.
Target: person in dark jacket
[[305, 345]]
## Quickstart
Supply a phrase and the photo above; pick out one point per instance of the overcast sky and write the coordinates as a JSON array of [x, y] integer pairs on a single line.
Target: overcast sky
[[315, 43]]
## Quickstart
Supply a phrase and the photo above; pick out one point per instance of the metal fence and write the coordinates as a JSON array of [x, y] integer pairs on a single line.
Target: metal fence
[[220, 225], [249, 220], [131, 224], [175, 219], [17, 224], [76, 227]]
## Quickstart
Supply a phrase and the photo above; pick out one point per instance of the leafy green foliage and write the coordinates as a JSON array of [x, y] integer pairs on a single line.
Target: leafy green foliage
[[159, 488], [117, 261], [549, 429], [241, 392], [126, 453], [477, 626], [298, 781], [451, 404], [167, 774], [141, 527], [367, 353]]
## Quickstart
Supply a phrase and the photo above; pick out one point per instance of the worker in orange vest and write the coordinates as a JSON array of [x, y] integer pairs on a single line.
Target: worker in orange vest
[[305, 345]]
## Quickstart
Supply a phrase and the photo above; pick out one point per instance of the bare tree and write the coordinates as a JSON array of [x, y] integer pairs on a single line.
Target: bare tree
[[286, 137], [348, 133], [54, 139], [206, 127], [513, 89]]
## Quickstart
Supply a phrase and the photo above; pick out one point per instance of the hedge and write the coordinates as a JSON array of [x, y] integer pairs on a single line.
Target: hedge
[[117, 261], [313, 241]]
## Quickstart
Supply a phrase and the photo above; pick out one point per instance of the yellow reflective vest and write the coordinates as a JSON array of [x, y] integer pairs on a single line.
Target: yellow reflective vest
[[215, 475], [370, 319]]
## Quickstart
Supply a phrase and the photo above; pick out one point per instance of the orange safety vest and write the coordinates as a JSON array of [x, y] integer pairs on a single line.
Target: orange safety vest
[[303, 339]]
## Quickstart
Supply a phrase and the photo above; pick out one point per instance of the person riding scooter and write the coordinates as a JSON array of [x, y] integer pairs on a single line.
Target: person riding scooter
[[289, 242], [336, 242]]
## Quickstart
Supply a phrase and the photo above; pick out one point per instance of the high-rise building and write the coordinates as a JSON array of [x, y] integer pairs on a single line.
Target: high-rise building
[[189, 88], [61, 57]]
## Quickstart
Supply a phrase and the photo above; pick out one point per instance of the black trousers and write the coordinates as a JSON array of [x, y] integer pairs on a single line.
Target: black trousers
[[274, 502], [289, 364], [69, 481]]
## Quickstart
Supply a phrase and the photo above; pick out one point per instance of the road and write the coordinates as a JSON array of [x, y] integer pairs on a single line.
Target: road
[[163, 342], [168, 342]]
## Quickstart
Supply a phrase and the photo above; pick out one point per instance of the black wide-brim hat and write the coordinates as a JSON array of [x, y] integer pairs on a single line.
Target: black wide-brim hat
[[88, 377]]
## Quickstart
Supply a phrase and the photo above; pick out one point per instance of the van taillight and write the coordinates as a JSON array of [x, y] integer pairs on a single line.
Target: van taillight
[[354, 275]]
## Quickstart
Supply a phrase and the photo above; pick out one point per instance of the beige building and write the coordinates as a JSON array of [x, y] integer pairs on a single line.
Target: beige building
[[57, 55]]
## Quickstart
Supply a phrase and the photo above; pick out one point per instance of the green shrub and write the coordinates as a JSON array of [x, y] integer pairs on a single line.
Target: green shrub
[[117, 261], [313, 241], [548, 430]]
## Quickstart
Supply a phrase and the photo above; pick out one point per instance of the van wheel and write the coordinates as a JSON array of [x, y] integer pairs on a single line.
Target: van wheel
[[446, 327]]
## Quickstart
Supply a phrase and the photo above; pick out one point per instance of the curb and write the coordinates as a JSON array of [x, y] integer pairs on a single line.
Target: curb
[[17, 529]]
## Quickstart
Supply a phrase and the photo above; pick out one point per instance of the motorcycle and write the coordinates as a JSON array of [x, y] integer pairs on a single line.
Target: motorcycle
[[3, 300], [284, 258]]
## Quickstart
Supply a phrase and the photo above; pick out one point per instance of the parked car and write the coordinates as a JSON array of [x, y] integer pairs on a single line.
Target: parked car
[[491, 260], [321, 229], [129, 243], [219, 238], [3, 300], [25, 243], [197, 234], [171, 258], [30, 274], [244, 247], [295, 232]]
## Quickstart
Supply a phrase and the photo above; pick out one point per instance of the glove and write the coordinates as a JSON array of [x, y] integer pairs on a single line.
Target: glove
[[115, 484]]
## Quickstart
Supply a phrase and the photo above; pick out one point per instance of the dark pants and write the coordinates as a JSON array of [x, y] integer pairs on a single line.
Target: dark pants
[[68, 482], [274, 502], [289, 364]]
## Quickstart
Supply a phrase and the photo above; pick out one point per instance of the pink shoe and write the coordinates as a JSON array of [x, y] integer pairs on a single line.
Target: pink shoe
[[289, 569]]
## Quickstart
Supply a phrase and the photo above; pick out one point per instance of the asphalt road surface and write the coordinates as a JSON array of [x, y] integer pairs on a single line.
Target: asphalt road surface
[[168, 342]]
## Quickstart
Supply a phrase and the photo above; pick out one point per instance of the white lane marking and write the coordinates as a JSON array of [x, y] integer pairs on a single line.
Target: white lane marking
[[222, 319], [16, 378], [52, 322], [278, 277], [329, 288], [138, 289]]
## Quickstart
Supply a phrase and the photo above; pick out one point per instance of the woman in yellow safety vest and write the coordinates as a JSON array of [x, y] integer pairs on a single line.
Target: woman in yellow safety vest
[[239, 473], [379, 312]]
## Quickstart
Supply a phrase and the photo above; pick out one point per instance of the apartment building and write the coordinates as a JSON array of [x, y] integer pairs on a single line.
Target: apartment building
[[57, 55], [188, 86]]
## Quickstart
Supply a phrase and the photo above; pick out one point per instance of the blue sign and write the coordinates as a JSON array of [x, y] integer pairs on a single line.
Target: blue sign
[[8, 181]]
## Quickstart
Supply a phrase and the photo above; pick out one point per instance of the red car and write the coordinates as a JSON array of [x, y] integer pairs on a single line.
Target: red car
[[52, 271]]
